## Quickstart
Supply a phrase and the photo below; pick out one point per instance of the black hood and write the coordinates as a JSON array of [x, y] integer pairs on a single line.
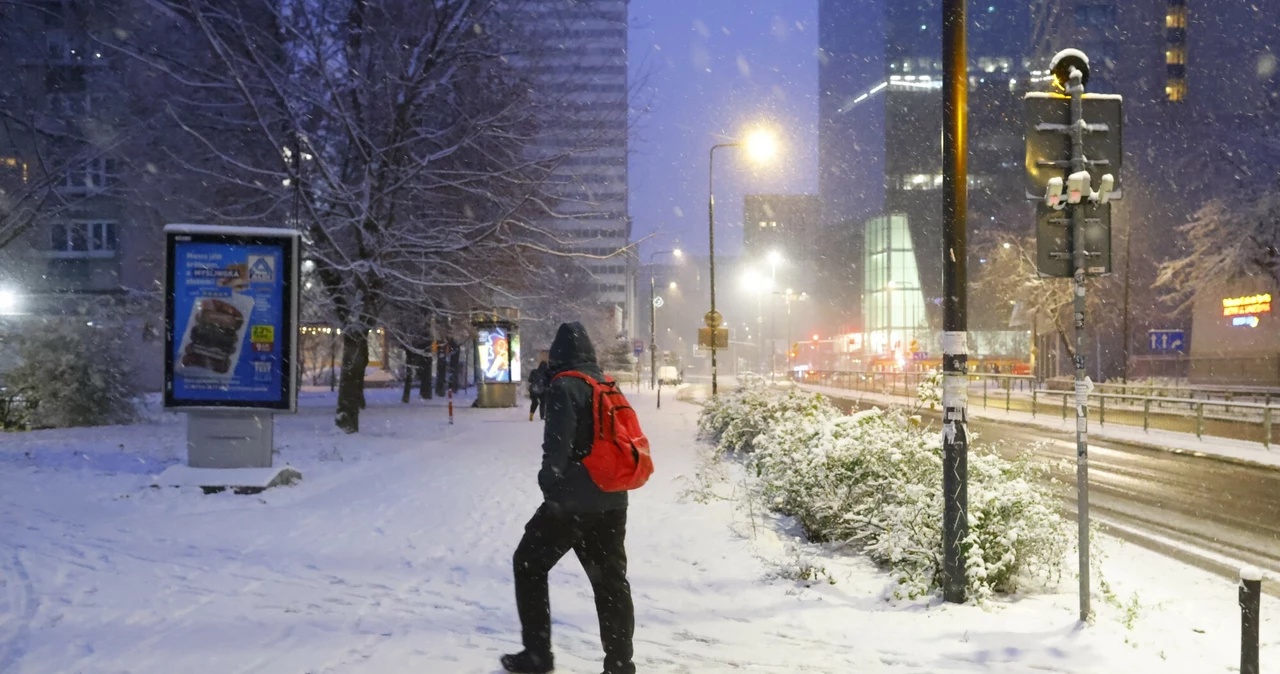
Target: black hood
[[572, 349]]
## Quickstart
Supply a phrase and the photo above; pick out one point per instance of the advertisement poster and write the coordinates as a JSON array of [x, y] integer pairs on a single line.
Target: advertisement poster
[[494, 353], [230, 314]]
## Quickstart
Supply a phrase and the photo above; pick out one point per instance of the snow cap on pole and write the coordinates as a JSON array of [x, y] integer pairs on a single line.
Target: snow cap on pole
[[1064, 61]]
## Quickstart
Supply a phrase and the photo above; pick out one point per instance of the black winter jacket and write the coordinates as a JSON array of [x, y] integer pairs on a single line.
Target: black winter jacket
[[568, 432]]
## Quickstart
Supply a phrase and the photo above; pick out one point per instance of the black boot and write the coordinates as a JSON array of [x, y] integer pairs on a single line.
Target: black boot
[[612, 667], [525, 662]]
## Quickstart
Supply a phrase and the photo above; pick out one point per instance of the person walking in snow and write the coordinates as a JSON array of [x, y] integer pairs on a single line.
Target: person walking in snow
[[539, 380], [575, 515]]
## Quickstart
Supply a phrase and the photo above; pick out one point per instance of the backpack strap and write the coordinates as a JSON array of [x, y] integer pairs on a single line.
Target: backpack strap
[[597, 401]]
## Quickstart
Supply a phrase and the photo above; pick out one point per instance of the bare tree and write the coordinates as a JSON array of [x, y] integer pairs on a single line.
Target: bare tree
[[400, 137], [1225, 240], [1010, 276]]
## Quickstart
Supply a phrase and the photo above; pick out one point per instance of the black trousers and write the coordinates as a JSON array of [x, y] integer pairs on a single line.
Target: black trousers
[[598, 539], [537, 400]]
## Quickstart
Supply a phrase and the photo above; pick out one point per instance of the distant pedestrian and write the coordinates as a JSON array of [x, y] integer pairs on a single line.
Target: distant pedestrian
[[539, 381], [584, 478]]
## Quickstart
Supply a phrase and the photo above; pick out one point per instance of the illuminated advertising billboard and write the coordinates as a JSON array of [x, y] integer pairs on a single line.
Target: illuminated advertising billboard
[[1246, 306], [231, 317], [494, 355]]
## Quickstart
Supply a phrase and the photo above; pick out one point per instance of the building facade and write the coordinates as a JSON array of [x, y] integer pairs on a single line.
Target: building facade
[[579, 64], [71, 244], [880, 134], [786, 224], [1201, 95]]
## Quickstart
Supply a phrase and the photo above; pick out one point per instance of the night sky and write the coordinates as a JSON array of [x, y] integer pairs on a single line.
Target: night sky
[[702, 72]]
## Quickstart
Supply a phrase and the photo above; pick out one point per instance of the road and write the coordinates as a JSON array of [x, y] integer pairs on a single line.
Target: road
[[1210, 513]]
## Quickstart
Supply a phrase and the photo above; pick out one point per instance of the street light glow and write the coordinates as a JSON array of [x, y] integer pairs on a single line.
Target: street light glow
[[1007, 244], [8, 301], [775, 258], [678, 253], [672, 286], [761, 145]]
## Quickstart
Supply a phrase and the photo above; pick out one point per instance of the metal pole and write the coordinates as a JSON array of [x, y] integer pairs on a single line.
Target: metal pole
[[773, 321], [711, 239], [955, 347], [1250, 608], [1128, 266], [653, 333], [712, 317], [790, 358], [1076, 89]]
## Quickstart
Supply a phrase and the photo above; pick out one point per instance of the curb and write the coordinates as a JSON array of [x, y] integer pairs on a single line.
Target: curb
[[1248, 463]]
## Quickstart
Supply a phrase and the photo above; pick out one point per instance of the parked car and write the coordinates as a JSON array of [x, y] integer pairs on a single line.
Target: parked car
[[669, 375]]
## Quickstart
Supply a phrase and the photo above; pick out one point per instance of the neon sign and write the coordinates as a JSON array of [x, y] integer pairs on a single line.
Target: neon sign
[[1244, 306], [1249, 321]]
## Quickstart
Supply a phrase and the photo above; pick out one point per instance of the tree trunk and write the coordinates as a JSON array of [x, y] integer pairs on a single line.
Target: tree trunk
[[410, 362], [442, 371], [424, 377], [455, 367], [351, 381]]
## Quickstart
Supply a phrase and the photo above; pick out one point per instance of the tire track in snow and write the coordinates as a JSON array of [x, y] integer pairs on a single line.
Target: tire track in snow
[[21, 604]]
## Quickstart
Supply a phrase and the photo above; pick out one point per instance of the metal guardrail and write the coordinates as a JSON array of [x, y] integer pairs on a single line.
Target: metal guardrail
[[1252, 422]]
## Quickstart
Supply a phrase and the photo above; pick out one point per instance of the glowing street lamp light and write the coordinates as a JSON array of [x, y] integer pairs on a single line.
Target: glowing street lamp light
[[8, 301], [761, 145]]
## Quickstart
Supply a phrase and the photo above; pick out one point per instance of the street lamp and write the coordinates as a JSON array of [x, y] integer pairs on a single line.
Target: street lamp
[[761, 145], [8, 301], [759, 284], [789, 296], [775, 259], [653, 314]]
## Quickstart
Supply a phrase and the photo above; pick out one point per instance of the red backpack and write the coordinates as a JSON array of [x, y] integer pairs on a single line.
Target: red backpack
[[619, 458]]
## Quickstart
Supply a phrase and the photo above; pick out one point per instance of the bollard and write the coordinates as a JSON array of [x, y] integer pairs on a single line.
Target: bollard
[[1250, 608], [1033, 403], [1146, 414], [659, 394], [450, 406], [1199, 421], [1266, 424], [1006, 399], [1102, 410]]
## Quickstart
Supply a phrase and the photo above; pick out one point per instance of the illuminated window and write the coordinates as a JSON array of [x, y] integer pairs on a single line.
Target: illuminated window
[[1176, 18], [1176, 55], [1176, 90]]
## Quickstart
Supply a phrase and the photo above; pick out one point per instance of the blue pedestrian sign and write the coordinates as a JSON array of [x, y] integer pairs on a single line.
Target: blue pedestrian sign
[[1165, 341]]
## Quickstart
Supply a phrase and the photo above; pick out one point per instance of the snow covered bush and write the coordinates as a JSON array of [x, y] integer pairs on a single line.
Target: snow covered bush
[[873, 480], [734, 420], [929, 391], [75, 369]]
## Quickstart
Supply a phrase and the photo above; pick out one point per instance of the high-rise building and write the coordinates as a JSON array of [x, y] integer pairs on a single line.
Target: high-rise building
[[1202, 92], [880, 131], [786, 224], [580, 65], [70, 243]]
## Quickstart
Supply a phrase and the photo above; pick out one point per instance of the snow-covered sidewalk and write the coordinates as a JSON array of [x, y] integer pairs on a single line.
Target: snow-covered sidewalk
[[393, 555]]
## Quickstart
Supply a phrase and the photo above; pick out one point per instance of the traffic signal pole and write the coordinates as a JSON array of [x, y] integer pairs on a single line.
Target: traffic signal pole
[[1080, 260], [955, 344]]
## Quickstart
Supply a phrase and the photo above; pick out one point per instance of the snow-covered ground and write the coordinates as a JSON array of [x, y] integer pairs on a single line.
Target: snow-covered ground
[[393, 555], [1187, 443]]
